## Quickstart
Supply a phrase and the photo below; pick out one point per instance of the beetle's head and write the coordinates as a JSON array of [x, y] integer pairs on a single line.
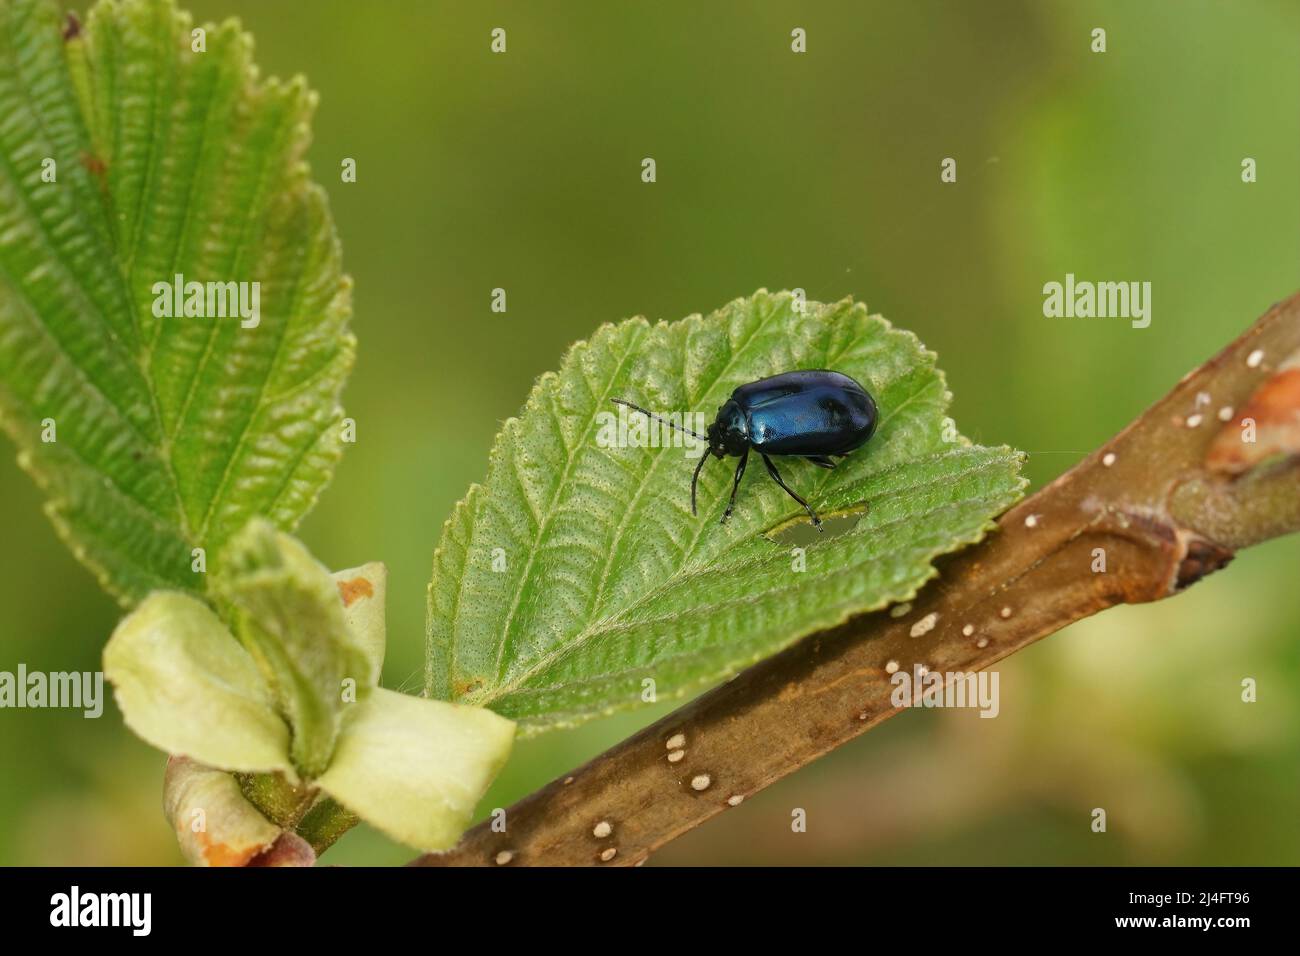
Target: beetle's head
[[729, 433]]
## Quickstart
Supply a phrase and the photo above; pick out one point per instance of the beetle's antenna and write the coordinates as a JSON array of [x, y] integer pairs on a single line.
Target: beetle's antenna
[[650, 414], [695, 478]]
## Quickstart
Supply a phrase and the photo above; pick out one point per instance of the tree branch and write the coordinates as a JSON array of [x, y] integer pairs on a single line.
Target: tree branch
[[1211, 468]]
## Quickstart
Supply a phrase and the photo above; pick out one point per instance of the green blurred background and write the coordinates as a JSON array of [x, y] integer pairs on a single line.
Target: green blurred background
[[820, 171]]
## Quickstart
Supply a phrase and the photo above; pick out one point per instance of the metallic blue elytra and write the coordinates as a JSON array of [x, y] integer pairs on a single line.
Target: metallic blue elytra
[[814, 414]]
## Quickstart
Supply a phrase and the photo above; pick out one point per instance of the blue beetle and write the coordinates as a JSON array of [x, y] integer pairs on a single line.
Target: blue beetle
[[813, 414]]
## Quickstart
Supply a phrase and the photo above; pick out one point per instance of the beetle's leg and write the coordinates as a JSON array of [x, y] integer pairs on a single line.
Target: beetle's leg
[[776, 476], [695, 479], [821, 461], [735, 484]]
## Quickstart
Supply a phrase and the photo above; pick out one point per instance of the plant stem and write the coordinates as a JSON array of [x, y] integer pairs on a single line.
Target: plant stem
[[324, 823], [275, 798], [1140, 519]]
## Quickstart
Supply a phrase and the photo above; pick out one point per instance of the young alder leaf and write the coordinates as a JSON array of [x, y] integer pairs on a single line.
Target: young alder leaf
[[127, 159], [575, 580], [287, 611]]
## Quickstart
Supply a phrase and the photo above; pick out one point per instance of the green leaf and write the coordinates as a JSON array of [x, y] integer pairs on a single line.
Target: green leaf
[[609, 581], [415, 768], [287, 611], [170, 432], [185, 685]]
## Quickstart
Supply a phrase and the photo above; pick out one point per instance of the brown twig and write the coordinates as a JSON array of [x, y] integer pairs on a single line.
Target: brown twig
[[1167, 501]]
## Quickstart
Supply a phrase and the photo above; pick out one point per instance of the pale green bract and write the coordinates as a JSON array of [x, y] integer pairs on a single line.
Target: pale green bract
[[185, 685], [232, 831], [414, 767], [575, 578], [299, 696], [170, 432]]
